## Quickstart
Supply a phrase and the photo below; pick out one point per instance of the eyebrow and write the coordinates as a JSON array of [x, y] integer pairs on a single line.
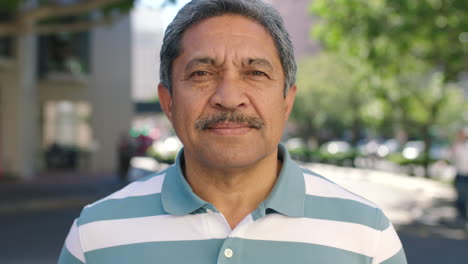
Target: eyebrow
[[258, 62], [201, 60]]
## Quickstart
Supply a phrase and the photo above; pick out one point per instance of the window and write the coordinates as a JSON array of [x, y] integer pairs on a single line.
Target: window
[[6, 43], [64, 54], [6, 49]]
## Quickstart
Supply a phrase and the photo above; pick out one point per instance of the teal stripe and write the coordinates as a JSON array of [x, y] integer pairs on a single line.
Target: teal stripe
[[67, 258], [208, 251], [130, 207], [344, 210], [193, 252], [398, 258], [272, 252]]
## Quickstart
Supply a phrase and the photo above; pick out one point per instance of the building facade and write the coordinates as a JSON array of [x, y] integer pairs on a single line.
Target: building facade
[[64, 99]]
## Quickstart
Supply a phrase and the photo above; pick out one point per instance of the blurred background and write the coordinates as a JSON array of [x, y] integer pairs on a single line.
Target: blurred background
[[381, 106]]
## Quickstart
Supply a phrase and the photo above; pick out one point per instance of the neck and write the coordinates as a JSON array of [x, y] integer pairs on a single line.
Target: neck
[[235, 192]]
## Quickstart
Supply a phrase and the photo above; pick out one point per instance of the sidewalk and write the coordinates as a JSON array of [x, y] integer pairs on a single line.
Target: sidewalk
[[415, 205], [56, 190]]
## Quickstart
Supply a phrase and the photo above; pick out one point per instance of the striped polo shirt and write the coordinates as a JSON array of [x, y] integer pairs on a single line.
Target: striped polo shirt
[[305, 219]]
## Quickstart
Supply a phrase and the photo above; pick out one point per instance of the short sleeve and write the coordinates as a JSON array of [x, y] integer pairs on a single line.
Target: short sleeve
[[388, 249], [72, 252]]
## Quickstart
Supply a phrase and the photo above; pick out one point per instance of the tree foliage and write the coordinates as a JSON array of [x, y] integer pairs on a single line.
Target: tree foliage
[[385, 31], [415, 54], [333, 94], [415, 50], [54, 16]]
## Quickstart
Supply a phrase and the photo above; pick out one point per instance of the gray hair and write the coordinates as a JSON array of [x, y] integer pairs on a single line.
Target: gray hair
[[198, 10]]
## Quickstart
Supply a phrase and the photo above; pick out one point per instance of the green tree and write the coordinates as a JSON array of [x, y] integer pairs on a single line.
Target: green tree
[[415, 52], [385, 31], [425, 105], [333, 94], [47, 17]]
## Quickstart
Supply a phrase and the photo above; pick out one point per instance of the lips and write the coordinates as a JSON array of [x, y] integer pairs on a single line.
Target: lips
[[228, 125], [229, 129]]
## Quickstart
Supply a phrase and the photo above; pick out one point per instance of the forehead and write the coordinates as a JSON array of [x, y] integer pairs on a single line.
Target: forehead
[[226, 34]]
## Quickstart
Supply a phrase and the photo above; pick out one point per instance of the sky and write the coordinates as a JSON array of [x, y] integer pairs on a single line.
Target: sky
[[149, 22], [169, 10]]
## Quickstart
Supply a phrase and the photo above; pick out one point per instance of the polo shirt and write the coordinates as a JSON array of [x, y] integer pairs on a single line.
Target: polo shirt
[[305, 219]]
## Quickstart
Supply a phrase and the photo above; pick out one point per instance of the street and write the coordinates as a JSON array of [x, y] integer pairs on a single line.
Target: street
[[34, 237], [34, 230]]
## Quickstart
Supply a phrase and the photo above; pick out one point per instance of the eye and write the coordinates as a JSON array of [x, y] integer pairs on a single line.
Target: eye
[[257, 73], [199, 74]]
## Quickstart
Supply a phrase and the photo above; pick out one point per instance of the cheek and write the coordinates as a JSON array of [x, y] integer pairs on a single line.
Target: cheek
[[187, 108], [274, 107]]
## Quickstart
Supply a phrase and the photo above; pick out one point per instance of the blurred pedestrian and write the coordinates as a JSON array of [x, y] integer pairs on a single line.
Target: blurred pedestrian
[[460, 161], [126, 150], [234, 195]]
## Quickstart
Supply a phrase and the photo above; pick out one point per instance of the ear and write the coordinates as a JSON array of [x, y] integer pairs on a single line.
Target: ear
[[289, 101], [165, 99]]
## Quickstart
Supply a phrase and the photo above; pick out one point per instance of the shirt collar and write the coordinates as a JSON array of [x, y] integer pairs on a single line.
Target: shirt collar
[[177, 196], [287, 196]]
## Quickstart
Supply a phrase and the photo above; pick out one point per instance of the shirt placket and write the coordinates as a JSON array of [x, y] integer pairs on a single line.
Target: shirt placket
[[231, 249]]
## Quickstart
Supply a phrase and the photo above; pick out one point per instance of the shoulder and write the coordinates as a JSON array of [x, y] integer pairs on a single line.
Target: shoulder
[[327, 200], [138, 199], [318, 185]]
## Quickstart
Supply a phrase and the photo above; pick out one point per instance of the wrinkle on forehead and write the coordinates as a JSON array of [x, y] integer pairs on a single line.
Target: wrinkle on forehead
[[212, 61], [229, 40]]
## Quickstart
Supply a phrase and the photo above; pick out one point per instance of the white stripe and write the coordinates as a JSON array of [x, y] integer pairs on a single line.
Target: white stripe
[[342, 235], [150, 186], [389, 244], [110, 233], [320, 187], [73, 243]]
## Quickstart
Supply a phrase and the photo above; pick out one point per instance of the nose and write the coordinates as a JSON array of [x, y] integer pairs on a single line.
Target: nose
[[229, 94]]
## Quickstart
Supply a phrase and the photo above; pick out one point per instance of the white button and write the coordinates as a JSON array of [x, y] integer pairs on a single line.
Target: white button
[[228, 253]]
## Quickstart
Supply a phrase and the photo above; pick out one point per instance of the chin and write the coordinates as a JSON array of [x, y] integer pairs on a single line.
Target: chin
[[236, 156]]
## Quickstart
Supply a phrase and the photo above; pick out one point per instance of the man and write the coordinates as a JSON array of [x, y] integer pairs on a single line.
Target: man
[[460, 158], [233, 195]]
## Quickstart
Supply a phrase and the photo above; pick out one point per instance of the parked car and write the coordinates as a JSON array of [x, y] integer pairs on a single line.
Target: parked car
[[337, 152], [165, 150], [414, 150], [336, 147], [388, 147]]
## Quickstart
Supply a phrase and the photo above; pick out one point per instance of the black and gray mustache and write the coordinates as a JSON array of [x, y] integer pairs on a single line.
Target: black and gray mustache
[[235, 117]]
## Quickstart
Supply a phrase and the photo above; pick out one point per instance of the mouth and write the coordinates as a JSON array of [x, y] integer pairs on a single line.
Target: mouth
[[229, 128], [229, 125]]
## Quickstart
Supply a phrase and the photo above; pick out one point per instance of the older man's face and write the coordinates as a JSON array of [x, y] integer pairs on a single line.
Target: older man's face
[[227, 105]]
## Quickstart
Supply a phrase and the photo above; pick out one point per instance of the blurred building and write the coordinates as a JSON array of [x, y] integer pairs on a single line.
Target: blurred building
[[67, 98], [299, 23], [147, 36], [73, 93]]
